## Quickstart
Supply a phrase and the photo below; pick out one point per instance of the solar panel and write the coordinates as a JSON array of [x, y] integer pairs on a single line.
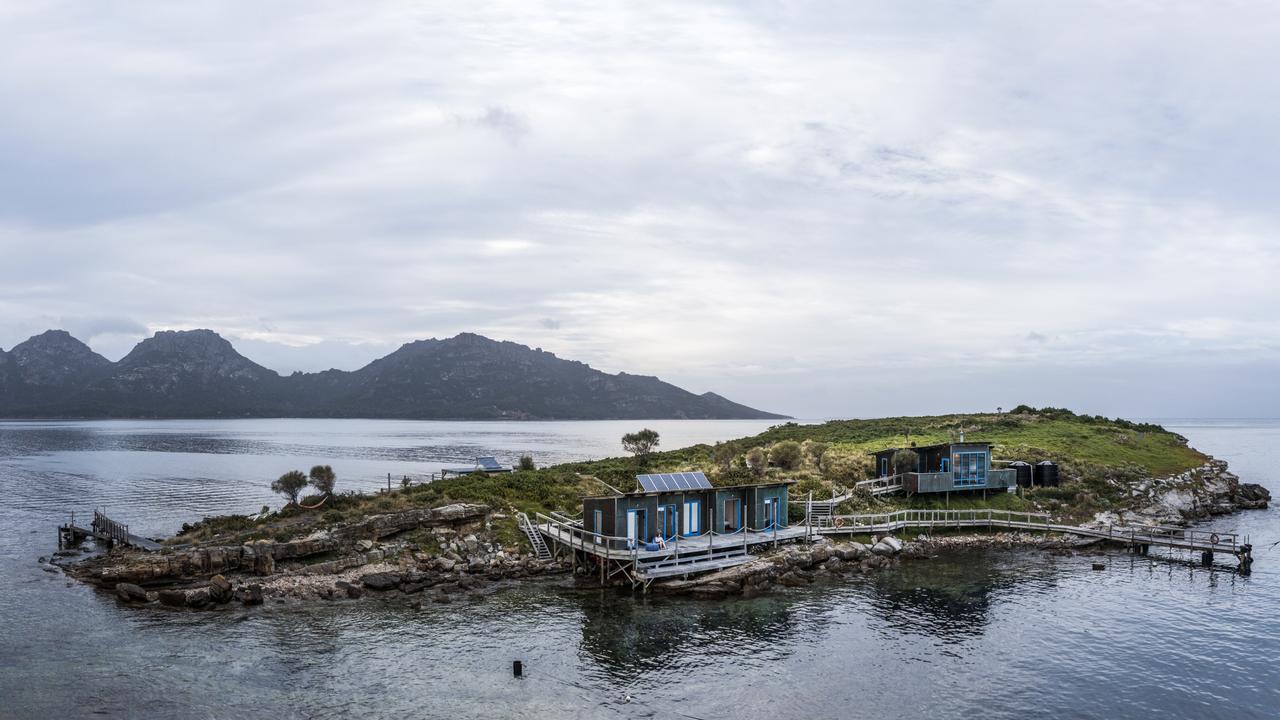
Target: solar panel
[[672, 482]]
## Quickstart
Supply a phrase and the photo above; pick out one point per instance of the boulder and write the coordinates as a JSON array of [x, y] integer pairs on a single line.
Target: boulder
[[458, 512], [852, 552], [130, 592], [832, 564], [173, 598], [380, 581], [199, 597], [220, 589], [352, 590], [409, 588], [793, 579], [446, 564], [887, 546], [364, 545], [250, 595], [820, 554]]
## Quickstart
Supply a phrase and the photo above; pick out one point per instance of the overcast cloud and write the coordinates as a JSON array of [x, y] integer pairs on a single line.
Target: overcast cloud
[[825, 209]]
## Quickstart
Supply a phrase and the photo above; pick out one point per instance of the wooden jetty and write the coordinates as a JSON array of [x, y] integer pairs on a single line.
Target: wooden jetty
[[105, 529], [1139, 538]]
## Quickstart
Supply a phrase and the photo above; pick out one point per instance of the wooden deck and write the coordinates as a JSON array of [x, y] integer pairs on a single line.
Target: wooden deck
[[681, 556], [105, 529]]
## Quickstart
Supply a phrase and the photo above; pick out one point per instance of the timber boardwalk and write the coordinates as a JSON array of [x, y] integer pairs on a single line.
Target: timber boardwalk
[[641, 563], [105, 529]]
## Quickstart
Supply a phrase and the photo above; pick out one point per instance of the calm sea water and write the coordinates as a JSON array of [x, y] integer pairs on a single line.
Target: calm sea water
[[997, 634]]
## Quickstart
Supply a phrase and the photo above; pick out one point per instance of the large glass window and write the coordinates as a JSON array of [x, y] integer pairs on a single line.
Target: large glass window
[[970, 469]]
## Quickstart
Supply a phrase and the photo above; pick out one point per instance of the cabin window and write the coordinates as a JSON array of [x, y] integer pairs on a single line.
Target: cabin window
[[884, 467], [970, 470], [946, 464], [597, 525]]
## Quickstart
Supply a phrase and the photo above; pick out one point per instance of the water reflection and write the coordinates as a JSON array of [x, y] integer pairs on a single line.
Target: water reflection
[[625, 635]]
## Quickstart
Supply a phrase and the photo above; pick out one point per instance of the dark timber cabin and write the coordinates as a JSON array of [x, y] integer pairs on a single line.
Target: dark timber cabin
[[947, 467], [687, 504]]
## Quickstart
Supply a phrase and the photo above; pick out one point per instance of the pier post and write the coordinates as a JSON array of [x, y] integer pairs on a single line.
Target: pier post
[[1206, 558]]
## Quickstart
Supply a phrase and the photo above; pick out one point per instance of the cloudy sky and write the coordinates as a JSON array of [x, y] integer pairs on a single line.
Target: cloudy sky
[[825, 209]]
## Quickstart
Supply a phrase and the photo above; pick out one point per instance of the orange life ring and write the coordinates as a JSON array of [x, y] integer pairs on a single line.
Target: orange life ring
[[839, 522], [1213, 538]]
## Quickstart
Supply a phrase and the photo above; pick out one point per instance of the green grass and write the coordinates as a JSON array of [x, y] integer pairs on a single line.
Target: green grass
[[1099, 459]]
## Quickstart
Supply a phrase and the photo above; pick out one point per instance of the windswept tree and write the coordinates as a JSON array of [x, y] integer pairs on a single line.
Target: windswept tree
[[785, 454], [526, 463], [323, 479], [289, 485], [641, 443], [904, 461], [814, 452], [723, 455], [757, 461]]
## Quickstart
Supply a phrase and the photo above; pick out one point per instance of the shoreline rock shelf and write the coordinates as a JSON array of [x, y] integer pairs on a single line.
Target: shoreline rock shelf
[[441, 552]]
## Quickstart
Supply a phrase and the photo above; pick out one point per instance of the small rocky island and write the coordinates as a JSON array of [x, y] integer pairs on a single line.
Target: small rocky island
[[448, 539]]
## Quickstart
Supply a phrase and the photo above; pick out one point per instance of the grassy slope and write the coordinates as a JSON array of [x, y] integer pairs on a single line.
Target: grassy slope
[[1099, 459]]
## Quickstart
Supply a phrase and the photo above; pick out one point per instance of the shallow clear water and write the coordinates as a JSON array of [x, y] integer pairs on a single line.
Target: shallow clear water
[[981, 634]]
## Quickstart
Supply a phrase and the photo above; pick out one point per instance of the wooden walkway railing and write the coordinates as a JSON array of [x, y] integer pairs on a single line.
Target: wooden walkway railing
[[1138, 537]]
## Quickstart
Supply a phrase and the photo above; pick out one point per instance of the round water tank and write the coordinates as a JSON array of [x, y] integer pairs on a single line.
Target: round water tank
[[1023, 471], [1047, 474]]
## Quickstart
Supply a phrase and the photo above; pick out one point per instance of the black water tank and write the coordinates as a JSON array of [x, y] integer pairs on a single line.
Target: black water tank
[[1047, 474], [1023, 471]]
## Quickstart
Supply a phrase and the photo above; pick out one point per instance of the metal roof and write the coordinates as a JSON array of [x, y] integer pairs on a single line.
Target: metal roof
[[488, 463], [664, 482]]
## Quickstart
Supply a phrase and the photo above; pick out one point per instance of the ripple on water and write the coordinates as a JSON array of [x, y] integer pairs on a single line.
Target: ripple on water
[[980, 634]]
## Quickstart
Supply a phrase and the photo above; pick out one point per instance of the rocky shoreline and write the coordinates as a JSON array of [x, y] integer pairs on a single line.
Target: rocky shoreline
[[448, 559], [1199, 494], [439, 554]]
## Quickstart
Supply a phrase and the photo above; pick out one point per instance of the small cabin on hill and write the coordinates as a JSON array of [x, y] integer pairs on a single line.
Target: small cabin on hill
[[685, 504], [947, 467]]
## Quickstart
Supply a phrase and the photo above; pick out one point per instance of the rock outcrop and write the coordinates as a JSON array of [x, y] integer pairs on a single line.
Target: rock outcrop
[[1197, 494]]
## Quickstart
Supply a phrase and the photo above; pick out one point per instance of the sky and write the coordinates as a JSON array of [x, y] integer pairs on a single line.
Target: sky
[[822, 209]]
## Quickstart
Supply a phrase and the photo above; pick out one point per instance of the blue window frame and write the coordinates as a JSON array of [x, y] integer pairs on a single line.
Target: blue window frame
[[884, 467], [970, 470], [946, 464]]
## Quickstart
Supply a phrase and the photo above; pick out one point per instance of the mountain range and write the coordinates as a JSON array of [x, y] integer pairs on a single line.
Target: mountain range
[[199, 374]]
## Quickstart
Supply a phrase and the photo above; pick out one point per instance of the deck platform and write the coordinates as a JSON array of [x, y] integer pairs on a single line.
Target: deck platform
[[681, 556]]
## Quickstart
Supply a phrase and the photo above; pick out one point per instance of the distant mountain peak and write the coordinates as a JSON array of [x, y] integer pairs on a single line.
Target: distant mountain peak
[[198, 373]]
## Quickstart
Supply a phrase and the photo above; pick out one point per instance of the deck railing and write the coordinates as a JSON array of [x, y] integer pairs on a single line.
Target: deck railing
[[927, 518]]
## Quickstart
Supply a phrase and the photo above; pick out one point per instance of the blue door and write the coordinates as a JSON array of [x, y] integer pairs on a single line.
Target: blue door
[[692, 523], [667, 521]]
